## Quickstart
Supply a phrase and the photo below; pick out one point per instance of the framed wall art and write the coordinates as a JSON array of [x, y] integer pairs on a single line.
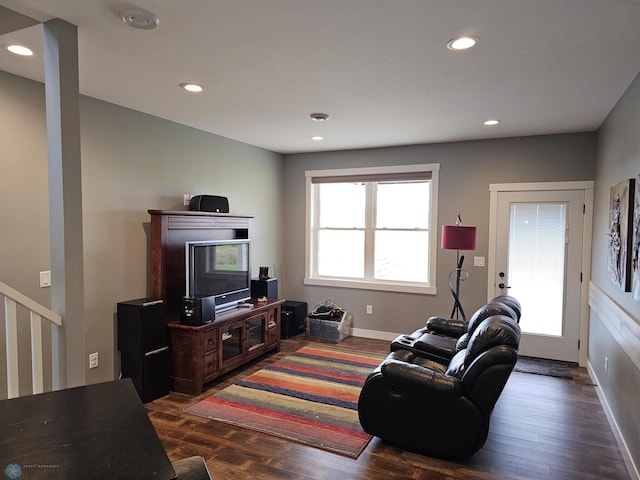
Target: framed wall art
[[635, 244], [621, 221]]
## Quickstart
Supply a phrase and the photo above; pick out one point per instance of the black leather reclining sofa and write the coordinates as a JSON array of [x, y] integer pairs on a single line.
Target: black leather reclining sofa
[[440, 402]]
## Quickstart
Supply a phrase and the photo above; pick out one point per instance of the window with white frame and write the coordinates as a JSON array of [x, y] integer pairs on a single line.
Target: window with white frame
[[372, 228]]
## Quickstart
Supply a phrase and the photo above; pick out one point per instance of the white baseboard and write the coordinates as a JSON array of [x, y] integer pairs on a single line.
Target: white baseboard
[[375, 334], [622, 445]]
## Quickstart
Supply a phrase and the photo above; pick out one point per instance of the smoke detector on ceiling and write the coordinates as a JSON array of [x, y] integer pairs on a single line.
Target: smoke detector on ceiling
[[319, 117], [141, 19]]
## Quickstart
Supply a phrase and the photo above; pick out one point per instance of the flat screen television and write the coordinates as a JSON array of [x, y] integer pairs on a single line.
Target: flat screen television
[[219, 268]]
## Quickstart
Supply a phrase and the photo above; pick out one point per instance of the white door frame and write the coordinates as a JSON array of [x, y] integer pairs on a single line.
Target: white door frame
[[587, 188]]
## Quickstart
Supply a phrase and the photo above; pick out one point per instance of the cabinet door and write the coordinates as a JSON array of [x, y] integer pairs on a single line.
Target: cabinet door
[[184, 371], [256, 331], [232, 344], [273, 327]]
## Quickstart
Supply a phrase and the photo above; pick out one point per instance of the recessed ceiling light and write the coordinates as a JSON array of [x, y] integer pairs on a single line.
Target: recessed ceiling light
[[317, 138], [138, 18], [191, 87], [491, 122], [319, 117], [462, 43], [20, 50]]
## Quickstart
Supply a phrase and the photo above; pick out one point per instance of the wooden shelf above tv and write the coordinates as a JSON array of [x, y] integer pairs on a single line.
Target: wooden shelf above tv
[[169, 231]]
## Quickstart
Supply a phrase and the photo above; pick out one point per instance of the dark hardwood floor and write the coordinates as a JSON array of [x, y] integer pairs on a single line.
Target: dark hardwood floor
[[542, 428]]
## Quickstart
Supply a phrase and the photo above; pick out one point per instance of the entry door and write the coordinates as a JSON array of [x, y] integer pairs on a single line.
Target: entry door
[[538, 259]]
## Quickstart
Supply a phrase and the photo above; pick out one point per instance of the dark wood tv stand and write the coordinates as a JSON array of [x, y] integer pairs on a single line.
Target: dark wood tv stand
[[199, 354], [169, 232]]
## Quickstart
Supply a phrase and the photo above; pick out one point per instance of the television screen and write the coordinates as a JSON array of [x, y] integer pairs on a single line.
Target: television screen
[[219, 268]]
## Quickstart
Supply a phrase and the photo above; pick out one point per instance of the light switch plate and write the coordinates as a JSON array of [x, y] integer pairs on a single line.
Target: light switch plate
[[478, 261], [45, 279]]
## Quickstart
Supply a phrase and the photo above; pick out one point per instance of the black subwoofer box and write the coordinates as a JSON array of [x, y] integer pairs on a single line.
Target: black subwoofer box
[[294, 318], [286, 324]]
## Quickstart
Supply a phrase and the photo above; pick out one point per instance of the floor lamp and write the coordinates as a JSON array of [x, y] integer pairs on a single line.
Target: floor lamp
[[456, 237]]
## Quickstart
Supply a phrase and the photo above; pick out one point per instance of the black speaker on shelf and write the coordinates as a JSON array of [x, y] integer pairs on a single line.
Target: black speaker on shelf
[[143, 342], [198, 310], [209, 203], [264, 288]]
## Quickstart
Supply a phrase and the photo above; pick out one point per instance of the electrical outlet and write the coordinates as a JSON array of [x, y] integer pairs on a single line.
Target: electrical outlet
[[606, 364], [186, 198], [369, 309], [93, 360]]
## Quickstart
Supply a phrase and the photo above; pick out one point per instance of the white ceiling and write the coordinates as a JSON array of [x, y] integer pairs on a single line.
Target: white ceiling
[[379, 68]]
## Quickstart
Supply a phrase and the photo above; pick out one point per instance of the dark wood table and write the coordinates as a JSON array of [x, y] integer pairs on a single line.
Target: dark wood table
[[97, 432]]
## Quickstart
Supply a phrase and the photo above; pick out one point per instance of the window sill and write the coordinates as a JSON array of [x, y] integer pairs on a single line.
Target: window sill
[[363, 285]]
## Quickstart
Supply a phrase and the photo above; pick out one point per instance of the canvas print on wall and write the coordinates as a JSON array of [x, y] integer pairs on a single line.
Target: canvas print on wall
[[621, 211], [635, 244]]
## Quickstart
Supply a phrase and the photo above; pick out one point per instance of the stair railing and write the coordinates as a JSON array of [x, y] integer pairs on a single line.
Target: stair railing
[[37, 312]]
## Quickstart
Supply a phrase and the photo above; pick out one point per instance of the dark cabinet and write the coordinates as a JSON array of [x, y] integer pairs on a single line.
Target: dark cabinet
[[144, 346], [201, 353]]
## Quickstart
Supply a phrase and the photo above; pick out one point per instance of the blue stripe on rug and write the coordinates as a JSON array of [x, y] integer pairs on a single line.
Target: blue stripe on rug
[[301, 395]]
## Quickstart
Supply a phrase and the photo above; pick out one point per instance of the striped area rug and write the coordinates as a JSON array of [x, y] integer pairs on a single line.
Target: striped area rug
[[310, 397]]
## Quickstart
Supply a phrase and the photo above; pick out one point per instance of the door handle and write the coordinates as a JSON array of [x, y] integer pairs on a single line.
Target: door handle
[[502, 285]]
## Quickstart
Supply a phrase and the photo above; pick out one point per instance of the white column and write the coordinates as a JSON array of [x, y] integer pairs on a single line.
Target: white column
[[65, 200]]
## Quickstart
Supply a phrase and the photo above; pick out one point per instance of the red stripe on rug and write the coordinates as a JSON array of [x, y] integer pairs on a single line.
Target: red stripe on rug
[[321, 390], [325, 373], [333, 354], [292, 429], [263, 414], [288, 411]]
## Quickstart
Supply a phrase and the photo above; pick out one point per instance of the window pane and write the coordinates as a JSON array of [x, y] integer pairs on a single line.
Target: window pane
[[342, 205], [341, 253], [403, 205], [402, 256], [537, 264]]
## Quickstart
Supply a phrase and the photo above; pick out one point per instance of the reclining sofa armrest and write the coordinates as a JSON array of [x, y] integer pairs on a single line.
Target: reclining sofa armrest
[[421, 379], [450, 327]]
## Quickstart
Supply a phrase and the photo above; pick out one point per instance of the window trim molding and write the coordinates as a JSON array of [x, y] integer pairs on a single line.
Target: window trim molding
[[434, 169]]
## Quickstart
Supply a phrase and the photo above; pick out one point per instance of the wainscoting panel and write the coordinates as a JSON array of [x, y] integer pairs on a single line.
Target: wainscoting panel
[[622, 326]]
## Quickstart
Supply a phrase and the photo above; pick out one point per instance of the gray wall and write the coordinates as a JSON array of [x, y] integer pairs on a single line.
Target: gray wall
[[24, 214], [618, 160], [466, 170], [131, 162]]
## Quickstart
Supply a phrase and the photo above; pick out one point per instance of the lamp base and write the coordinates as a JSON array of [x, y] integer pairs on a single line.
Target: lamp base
[[457, 311]]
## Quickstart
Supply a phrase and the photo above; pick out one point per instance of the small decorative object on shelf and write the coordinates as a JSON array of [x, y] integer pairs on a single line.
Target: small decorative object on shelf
[[264, 273]]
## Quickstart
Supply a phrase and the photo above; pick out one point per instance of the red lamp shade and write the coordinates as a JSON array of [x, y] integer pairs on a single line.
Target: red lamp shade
[[456, 237]]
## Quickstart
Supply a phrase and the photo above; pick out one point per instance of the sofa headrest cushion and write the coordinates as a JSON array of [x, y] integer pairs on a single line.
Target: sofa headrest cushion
[[486, 311], [511, 302], [495, 330]]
